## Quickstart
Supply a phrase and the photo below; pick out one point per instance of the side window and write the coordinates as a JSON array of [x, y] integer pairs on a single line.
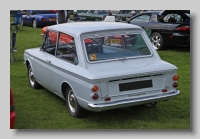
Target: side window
[[141, 18], [50, 42], [66, 48]]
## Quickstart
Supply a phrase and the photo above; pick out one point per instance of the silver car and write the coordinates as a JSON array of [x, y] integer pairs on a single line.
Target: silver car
[[98, 66]]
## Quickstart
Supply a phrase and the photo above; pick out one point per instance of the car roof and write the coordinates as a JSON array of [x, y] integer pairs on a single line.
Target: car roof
[[78, 28]]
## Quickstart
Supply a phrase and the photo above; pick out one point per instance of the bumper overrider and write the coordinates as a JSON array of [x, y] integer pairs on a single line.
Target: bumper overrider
[[132, 102]]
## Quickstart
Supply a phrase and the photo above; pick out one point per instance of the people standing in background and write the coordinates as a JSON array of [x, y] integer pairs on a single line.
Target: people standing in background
[[109, 18], [132, 14]]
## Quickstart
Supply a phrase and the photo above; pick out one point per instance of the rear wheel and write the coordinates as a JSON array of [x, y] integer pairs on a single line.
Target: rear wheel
[[157, 40], [34, 23], [74, 108], [33, 83]]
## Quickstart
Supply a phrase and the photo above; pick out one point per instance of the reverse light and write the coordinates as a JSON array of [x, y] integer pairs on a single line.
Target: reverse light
[[95, 88], [175, 77]]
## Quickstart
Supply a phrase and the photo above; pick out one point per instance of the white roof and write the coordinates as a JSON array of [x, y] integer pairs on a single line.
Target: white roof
[[77, 28]]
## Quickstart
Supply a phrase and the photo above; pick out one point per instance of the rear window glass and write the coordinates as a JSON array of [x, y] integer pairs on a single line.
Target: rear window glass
[[115, 47]]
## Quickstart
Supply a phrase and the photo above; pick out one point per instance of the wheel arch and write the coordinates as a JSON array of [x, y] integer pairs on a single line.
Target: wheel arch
[[64, 86]]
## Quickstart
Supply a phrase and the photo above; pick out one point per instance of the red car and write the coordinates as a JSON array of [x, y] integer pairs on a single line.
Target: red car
[[12, 111]]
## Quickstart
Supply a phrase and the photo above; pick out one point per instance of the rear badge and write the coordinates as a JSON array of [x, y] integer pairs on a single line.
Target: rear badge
[[137, 94]]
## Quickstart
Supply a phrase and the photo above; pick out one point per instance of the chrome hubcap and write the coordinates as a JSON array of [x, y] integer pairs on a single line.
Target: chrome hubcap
[[34, 23], [31, 77], [72, 101], [156, 41]]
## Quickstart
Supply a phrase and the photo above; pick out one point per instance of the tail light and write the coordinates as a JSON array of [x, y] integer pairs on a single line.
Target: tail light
[[175, 78], [183, 28], [107, 99], [95, 96], [175, 84], [43, 19]]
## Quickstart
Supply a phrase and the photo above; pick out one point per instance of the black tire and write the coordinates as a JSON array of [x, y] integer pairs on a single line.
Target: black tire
[[34, 23], [74, 109], [33, 83], [157, 40]]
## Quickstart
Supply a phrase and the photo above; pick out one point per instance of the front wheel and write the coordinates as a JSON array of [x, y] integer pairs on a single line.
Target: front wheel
[[34, 23], [157, 40], [74, 108]]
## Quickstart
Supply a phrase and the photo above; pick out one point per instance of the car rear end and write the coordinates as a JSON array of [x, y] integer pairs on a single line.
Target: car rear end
[[12, 111], [129, 74], [46, 18], [181, 35], [141, 87]]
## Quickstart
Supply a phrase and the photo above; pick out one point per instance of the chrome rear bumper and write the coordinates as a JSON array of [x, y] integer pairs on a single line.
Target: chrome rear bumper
[[131, 102]]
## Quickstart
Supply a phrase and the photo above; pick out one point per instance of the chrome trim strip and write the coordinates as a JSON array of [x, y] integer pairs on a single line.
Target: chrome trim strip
[[132, 102]]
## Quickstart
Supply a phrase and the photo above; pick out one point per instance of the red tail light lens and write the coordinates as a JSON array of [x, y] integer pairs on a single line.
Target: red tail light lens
[[164, 90], [43, 19], [107, 99], [95, 96], [183, 28], [175, 84]]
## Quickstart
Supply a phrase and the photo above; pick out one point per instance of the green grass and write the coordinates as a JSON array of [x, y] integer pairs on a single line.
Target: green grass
[[40, 109]]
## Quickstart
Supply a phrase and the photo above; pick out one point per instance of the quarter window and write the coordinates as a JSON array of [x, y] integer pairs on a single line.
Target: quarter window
[[50, 42]]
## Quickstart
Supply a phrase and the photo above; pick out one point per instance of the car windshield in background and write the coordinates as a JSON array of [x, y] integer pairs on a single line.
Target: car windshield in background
[[33, 12], [101, 11], [116, 47]]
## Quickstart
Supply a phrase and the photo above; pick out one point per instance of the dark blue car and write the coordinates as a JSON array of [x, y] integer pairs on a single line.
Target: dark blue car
[[39, 18]]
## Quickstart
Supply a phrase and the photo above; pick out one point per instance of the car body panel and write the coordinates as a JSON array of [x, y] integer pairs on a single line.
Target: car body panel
[[149, 74]]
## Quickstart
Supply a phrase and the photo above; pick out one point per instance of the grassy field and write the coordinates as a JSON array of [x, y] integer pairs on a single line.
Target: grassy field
[[40, 109]]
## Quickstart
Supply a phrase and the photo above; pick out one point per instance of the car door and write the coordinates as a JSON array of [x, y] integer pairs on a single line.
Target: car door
[[65, 60], [48, 49], [142, 20]]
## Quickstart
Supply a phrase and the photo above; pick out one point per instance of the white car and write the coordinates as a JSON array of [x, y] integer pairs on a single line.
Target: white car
[[97, 66]]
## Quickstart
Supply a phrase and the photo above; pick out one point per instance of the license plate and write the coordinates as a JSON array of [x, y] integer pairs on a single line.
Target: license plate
[[135, 85], [115, 41], [52, 19], [112, 41]]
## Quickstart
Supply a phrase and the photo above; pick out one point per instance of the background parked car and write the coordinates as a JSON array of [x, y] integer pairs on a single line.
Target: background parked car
[[162, 29], [93, 15], [12, 110], [39, 18]]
